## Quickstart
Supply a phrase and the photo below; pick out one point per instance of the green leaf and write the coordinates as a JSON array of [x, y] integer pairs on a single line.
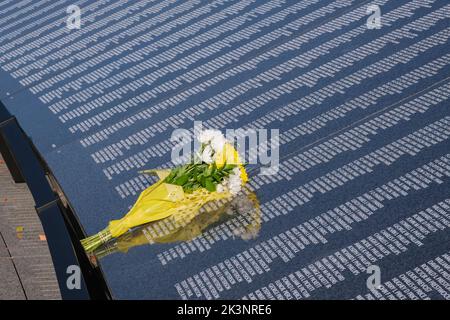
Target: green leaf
[[229, 167], [149, 172], [181, 180], [170, 177], [208, 172], [209, 185], [181, 172]]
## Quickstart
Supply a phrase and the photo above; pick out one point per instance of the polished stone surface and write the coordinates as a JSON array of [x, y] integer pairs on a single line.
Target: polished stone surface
[[364, 136]]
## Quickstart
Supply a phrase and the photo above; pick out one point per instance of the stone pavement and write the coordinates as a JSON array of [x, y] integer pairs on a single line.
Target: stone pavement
[[26, 269]]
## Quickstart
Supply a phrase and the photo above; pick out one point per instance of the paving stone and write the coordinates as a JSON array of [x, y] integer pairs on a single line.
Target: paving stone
[[3, 250], [23, 246], [38, 277], [10, 288]]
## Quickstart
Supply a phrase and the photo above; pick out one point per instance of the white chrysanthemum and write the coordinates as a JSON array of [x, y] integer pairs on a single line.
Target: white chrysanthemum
[[207, 135], [235, 182], [207, 155], [218, 142], [220, 188], [223, 185]]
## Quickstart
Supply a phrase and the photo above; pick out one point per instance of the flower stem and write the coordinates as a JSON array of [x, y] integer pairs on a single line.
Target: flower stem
[[94, 241]]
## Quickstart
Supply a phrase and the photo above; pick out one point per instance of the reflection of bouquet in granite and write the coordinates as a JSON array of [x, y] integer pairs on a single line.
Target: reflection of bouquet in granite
[[215, 173], [243, 208]]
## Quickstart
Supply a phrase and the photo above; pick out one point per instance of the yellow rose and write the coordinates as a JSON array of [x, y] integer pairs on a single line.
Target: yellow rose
[[228, 155], [244, 176]]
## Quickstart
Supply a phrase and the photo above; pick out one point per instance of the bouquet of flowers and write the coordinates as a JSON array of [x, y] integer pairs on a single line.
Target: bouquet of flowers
[[215, 172]]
